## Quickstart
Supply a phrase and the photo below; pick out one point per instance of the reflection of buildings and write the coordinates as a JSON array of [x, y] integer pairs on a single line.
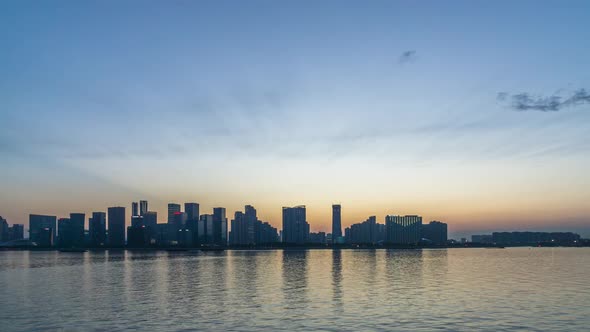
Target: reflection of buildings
[[435, 232], [42, 229], [403, 229], [295, 226]]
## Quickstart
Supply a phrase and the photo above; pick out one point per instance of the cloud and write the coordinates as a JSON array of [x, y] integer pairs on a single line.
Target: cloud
[[554, 103], [407, 56]]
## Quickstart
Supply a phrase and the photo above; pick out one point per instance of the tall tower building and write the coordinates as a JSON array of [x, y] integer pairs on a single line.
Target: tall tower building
[[97, 229], [116, 223], [219, 226], [77, 221], [172, 209], [192, 211], [143, 207], [336, 223], [134, 209], [295, 226]]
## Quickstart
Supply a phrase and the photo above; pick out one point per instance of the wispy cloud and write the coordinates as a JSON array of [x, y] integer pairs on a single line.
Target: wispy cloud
[[554, 103], [407, 56]]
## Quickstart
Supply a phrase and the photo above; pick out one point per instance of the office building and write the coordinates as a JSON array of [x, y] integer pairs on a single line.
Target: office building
[[219, 226], [435, 233], [172, 209], [134, 209], [317, 238], [143, 207], [336, 223], [246, 229], [116, 223], [192, 211], [42, 230], [97, 229], [366, 232], [295, 226], [205, 229], [404, 230], [4, 230]]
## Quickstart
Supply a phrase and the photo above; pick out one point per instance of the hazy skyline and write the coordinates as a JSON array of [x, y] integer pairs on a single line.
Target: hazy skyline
[[475, 114]]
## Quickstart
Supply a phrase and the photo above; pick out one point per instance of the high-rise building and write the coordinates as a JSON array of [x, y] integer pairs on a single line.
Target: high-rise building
[[4, 230], [172, 209], [192, 211], [16, 232], [219, 227], [143, 207], [403, 229], [116, 222], [246, 229], [64, 233], [134, 209], [97, 229], [336, 223], [366, 232], [179, 219], [150, 220], [205, 229], [435, 232], [295, 226], [77, 221], [42, 229]]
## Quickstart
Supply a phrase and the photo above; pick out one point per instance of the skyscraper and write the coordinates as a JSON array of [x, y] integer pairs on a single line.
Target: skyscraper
[[336, 223], [116, 223], [172, 209], [77, 221], [435, 232], [42, 229], [143, 207], [403, 229], [97, 229], [295, 226], [134, 209], [192, 211], [219, 226]]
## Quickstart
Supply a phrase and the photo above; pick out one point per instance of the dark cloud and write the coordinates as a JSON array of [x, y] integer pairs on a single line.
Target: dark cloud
[[554, 103], [407, 56]]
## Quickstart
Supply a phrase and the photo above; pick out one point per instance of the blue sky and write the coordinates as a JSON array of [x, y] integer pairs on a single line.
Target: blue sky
[[383, 106]]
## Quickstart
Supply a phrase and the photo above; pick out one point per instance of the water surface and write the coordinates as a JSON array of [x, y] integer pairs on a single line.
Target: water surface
[[527, 289]]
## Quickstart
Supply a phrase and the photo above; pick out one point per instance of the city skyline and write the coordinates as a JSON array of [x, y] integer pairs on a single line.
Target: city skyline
[[475, 115], [179, 210]]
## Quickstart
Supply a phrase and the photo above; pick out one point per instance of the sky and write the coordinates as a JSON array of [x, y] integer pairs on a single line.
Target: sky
[[470, 112]]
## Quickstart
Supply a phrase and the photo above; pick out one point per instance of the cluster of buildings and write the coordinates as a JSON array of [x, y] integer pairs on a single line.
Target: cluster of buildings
[[10, 233], [527, 238], [187, 227]]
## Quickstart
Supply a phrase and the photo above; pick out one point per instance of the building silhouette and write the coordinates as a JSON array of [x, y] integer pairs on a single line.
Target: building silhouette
[[336, 223], [205, 230], [534, 238], [366, 232], [42, 229], [143, 207], [97, 229], [116, 223], [219, 226], [246, 229], [134, 209], [295, 226], [403, 229], [435, 232], [172, 209]]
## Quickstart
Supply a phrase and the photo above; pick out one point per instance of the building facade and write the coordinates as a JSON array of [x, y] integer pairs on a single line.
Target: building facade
[[116, 223], [295, 226], [403, 230]]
